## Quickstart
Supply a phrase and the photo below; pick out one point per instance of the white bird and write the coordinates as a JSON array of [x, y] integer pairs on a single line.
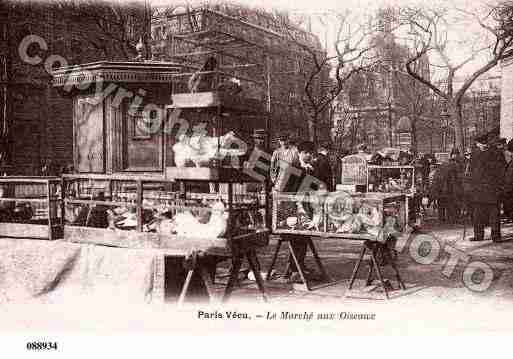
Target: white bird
[[187, 225], [201, 149], [183, 151]]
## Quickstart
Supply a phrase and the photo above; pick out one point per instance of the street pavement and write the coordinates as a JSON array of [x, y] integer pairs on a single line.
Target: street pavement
[[439, 262]]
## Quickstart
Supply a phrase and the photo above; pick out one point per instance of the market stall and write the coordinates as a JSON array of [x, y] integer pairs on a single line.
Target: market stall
[[367, 217], [166, 173]]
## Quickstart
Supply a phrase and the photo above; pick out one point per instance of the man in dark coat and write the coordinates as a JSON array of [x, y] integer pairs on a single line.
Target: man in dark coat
[[323, 166], [308, 167], [487, 166], [446, 188]]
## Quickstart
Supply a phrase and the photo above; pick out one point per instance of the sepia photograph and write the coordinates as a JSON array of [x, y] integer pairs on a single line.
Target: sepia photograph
[[255, 167]]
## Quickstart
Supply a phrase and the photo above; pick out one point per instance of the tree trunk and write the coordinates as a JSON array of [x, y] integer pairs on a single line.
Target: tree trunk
[[413, 122], [457, 123], [312, 130]]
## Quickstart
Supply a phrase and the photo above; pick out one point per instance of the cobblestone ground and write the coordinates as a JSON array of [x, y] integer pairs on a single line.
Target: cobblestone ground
[[427, 273]]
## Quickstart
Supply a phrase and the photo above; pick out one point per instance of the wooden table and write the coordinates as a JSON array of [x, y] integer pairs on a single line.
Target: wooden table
[[200, 256], [377, 198]]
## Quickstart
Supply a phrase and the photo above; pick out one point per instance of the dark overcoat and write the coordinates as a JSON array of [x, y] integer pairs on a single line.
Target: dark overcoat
[[446, 182], [488, 169], [323, 171]]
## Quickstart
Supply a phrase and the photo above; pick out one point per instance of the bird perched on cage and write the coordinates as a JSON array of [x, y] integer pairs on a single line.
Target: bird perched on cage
[[203, 80]]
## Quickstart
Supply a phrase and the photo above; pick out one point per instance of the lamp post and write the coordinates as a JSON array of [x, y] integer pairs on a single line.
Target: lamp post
[[444, 115]]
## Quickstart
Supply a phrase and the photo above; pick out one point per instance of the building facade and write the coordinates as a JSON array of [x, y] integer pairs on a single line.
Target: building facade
[[264, 50], [36, 119]]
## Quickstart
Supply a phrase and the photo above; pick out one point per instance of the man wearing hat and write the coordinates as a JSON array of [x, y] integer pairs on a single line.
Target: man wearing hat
[[446, 189], [487, 178], [325, 172], [282, 161], [309, 168]]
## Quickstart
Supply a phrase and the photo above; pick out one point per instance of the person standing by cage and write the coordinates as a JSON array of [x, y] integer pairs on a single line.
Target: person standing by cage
[[283, 157], [309, 181]]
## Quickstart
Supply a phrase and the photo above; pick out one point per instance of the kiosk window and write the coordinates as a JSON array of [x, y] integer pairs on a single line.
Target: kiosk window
[[142, 150]]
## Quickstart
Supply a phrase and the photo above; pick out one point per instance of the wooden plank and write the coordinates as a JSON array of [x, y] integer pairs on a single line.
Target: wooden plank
[[115, 177], [210, 174], [167, 244], [195, 100], [24, 230], [22, 199], [113, 238], [29, 179], [357, 236]]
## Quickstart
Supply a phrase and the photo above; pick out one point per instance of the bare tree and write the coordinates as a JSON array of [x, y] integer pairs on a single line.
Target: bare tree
[[431, 32], [414, 98], [117, 25], [350, 53]]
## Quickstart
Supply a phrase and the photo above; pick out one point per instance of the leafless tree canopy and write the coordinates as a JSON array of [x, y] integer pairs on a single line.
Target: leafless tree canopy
[[351, 52], [431, 33], [118, 24]]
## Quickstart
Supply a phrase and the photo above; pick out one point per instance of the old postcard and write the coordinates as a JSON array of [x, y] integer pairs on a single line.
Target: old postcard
[[273, 168]]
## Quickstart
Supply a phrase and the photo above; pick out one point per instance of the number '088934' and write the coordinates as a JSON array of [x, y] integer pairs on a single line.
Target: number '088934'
[[41, 345]]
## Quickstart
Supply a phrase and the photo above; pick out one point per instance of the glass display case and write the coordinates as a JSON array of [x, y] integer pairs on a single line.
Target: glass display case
[[30, 207], [339, 214], [391, 179], [147, 212]]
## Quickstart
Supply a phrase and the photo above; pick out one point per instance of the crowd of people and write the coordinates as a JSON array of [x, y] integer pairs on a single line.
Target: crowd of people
[[476, 185]]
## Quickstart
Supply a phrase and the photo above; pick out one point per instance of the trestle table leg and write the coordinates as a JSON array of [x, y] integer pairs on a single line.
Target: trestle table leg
[[357, 266], [318, 259], [273, 262], [234, 273], [298, 266], [378, 271], [253, 264]]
